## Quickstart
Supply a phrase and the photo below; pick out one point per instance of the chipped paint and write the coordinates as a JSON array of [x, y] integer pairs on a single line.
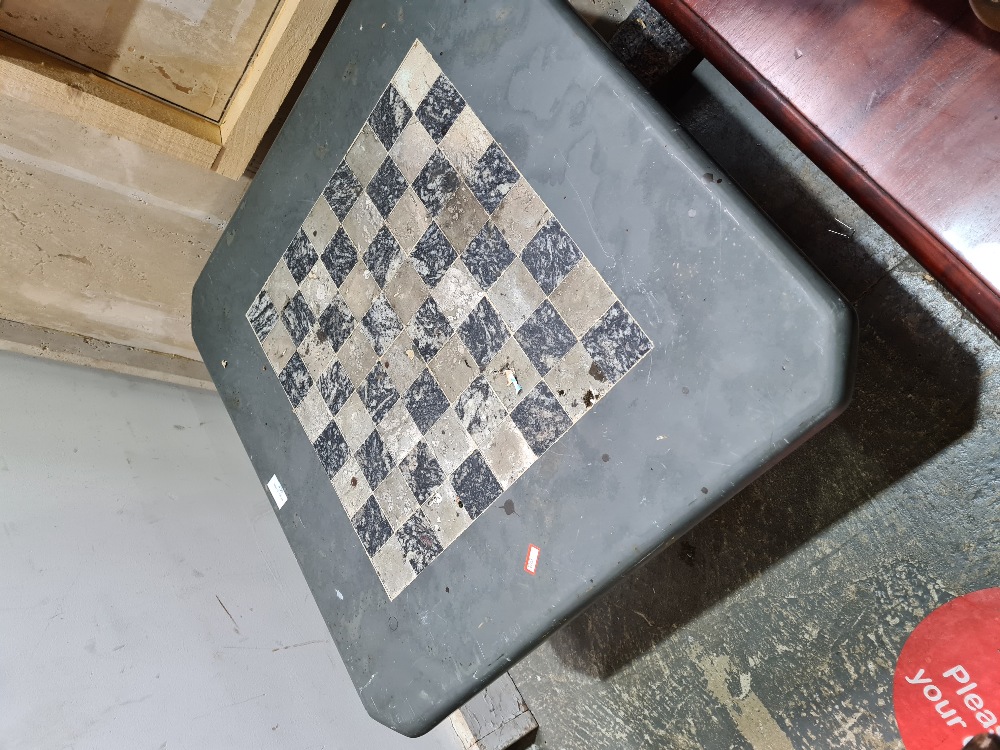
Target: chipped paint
[[747, 711]]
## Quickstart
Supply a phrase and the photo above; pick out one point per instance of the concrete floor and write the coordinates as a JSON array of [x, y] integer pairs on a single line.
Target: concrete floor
[[776, 623], [149, 596]]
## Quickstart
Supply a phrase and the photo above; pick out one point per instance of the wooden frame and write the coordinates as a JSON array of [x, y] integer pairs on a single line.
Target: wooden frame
[[226, 146], [949, 268]]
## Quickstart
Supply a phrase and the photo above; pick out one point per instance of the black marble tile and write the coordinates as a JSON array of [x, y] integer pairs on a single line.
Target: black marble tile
[[373, 530], [479, 409], [616, 342], [374, 459], [381, 324], [540, 418], [492, 178], [332, 449], [335, 387], [484, 333], [419, 542], [336, 322], [262, 316], [387, 187], [383, 256], [545, 337], [551, 255], [422, 472], [475, 485], [430, 329], [340, 256], [425, 401], [295, 380], [298, 318], [437, 183], [433, 255], [377, 393], [488, 256], [390, 116], [300, 257], [440, 108], [342, 190], [649, 45]]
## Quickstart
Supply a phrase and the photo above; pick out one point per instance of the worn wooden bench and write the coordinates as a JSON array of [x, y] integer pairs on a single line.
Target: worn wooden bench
[[493, 331], [896, 100]]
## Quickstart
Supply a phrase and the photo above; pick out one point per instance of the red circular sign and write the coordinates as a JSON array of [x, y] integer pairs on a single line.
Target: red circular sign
[[947, 684]]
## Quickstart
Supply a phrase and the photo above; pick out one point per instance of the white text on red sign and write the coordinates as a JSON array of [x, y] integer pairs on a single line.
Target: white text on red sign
[[972, 702]]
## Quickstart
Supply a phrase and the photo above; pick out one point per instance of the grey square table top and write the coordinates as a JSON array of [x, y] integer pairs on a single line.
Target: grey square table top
[[494, 331]]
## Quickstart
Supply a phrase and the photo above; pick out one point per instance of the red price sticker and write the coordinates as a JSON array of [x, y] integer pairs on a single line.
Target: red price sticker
[[947, 684], [531, 561]]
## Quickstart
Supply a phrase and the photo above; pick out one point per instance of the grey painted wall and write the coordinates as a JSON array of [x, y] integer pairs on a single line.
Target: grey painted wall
[[148, 598]]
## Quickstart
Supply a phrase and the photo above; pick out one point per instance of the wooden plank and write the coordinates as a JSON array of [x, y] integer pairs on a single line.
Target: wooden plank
[[72, 348], [100, 236], [279, 59], [495, 719], [34, 77], [191, 53], [909, 133]]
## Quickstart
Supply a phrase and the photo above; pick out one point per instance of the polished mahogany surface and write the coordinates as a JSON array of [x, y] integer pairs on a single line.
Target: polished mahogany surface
[[898, 100]]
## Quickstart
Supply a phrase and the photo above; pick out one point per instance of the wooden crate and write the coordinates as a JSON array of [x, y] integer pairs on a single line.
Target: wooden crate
[[227, 146]]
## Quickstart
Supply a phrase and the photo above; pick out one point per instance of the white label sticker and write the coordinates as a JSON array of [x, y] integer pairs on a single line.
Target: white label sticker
[[531, 561], [277, 491]]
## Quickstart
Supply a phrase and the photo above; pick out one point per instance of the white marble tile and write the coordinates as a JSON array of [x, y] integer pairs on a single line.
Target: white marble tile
[[416, 74]]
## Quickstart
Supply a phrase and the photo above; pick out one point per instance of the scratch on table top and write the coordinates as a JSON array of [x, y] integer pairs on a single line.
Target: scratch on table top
[[126, 191], [362, 688], [297, 645], [586, 213]]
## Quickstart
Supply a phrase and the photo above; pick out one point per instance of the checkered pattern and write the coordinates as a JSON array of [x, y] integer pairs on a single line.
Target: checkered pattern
[[435, 328]]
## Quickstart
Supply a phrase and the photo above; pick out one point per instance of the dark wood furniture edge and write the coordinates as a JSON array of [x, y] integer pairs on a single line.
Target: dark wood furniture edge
[[923, 244]]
